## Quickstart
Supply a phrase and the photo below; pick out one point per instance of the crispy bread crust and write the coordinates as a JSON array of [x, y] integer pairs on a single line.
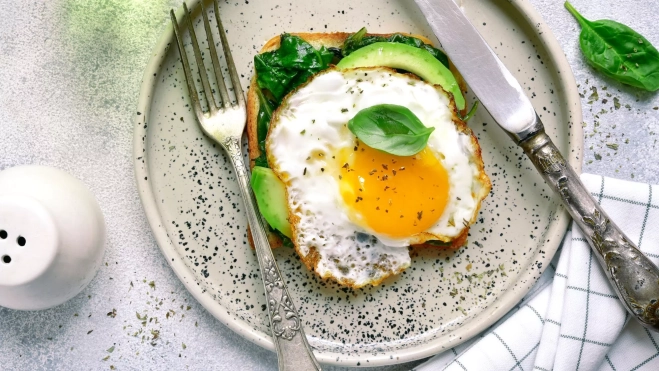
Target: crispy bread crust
[[336, 40]]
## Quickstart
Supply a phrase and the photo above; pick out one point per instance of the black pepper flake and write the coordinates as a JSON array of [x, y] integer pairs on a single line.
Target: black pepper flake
[[358, 199], [385, 177], [344, 110], [385, 166], [305, 171], [322, 169], [401, 168], [372, 172], [419, 215]]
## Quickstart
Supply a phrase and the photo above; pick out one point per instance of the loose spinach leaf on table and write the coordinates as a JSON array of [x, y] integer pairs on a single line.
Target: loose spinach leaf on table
[[618, 51], [359, 40], [390, 128], [286, 68]]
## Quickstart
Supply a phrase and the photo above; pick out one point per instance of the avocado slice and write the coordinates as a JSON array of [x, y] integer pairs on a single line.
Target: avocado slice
[[418, 61], [270, 193]]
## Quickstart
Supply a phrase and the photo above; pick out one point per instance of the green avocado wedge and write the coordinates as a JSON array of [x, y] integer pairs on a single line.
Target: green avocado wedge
[[418, 61], [270, 193]]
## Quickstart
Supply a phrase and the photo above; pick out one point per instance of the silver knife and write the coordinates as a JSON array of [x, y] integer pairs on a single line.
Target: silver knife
[[634, 277]]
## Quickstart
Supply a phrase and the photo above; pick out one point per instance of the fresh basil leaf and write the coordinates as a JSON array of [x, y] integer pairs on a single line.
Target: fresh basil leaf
[[359, 40], [618, 51], [390, 128], [282, 70]]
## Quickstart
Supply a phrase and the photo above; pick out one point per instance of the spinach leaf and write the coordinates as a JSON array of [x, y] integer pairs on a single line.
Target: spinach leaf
[[438, 243], [261, 161], [286, 242], [270, 77], [263, 123], [618, 51], [390, 128], [413, 41], [471, 113], [359, 40], [286, 68]]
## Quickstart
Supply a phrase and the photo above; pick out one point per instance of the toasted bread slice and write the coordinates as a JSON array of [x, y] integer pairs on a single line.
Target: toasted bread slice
[[328, 40]]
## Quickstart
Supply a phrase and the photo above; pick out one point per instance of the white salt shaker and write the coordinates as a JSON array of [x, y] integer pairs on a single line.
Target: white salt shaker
[[52, 236]]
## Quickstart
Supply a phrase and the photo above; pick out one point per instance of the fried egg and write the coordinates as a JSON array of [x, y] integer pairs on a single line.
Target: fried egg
[[354, 210]]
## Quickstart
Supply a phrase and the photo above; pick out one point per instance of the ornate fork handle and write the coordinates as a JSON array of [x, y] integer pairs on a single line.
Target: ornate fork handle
[[292, 347], [634, 277]]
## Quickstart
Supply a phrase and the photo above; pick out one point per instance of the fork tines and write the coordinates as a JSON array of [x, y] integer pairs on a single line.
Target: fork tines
[[208, 93]]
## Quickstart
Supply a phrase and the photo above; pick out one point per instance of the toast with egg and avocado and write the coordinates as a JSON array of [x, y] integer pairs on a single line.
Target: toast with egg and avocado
[[294, 64]]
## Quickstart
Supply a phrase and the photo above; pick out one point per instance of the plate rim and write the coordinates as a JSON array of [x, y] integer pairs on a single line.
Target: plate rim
[[479, 323]]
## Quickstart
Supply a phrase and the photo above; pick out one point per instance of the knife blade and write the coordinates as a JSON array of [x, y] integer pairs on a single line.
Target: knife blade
[[488, 78], [633, 276]]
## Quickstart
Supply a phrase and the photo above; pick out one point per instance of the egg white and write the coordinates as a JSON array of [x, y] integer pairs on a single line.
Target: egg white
[[309, 130]]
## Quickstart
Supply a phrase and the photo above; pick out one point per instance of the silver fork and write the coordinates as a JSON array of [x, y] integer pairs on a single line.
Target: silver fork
[[225, 123]]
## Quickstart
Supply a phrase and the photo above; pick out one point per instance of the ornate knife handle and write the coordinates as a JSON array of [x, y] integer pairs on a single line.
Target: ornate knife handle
[[293, 350], [634, 277]]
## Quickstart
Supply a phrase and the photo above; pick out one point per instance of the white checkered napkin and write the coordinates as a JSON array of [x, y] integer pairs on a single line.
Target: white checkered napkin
[[572, 319]]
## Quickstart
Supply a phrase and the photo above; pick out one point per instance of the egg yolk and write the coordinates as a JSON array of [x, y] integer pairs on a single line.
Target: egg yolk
[[393, 195]]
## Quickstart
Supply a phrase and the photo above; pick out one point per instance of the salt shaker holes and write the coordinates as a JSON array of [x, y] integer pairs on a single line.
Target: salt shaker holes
[[3, 235], [21, 241]]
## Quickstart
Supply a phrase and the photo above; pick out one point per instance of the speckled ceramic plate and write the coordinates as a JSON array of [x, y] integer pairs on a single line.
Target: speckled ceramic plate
[[194, 208]]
